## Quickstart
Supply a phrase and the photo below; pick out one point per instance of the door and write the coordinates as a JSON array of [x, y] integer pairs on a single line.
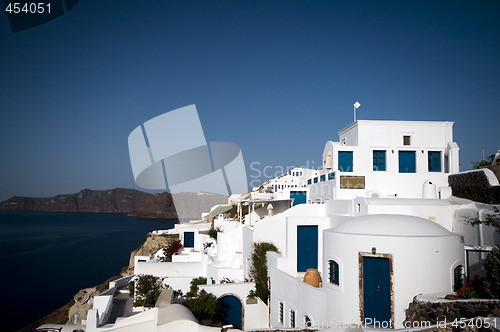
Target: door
[[307, 248], [189, 239], [376, 291], [299, 197], [406, 161], [231, 311]]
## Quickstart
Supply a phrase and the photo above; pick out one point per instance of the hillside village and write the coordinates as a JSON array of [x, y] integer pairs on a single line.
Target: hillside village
[[384, 228]]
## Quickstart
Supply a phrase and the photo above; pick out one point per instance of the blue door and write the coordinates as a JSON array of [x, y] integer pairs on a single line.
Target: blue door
[[231, 311], [345, 161], [299, 197], [376, 290], [406, 161], [189, 239], [307, 248]]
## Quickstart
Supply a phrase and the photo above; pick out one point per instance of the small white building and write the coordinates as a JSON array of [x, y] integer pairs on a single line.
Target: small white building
[[372, 267]]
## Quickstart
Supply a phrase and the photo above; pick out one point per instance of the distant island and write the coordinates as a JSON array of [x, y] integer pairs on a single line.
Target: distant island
[[131, 202]]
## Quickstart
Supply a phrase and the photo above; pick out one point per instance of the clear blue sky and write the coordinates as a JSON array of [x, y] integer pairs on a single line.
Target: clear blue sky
[[278, 78]]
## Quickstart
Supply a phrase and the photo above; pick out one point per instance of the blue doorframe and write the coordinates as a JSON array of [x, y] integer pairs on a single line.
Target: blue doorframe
[[307, 248], [376, 290], [231, 311]]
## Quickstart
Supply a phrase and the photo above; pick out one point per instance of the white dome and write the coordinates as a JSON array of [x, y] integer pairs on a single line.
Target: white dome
[[391, 225]]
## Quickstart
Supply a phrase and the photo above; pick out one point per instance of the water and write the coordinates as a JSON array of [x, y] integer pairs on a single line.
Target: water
[[46, 258]]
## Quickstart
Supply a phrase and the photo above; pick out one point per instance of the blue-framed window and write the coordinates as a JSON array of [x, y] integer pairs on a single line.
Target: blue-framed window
[[309, 181], [434, 161], [333, 272], [322, 177], [379, 160], [316, 180], [345, 161], [331, 176]]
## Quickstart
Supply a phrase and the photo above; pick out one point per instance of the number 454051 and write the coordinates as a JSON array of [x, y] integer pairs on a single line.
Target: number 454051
[[28, 8]]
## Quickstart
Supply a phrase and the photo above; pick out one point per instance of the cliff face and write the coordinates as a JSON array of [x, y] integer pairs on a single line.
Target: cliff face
[[96, 201], [127, 201], [153, 243]]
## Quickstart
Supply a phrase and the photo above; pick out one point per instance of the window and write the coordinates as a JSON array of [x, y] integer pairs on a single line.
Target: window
[[331, 176], [328, 161], [309, 181], [379, 160], [406, 140], [307, 321], [458, 277], [292, 318], [345, 161], [323, 177], [407, 162], [275, 187], [189, 239], [316, 180], [281, 312], [434, 161], [333, 272]]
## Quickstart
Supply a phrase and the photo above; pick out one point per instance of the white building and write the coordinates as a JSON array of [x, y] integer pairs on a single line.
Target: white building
[[387, 159], [378, 222], [372, 267]]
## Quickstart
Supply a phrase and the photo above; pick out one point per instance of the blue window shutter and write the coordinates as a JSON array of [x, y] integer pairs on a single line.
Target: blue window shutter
[[434, 161], [379, 160], [189, 239], [345, 161], [407, 162]]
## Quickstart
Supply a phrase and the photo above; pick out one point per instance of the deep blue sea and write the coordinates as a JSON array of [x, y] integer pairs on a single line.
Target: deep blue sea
[[45, 258]]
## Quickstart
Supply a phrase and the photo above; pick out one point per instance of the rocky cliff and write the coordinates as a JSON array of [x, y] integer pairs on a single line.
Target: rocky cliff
[[153, 243], [127, 201]]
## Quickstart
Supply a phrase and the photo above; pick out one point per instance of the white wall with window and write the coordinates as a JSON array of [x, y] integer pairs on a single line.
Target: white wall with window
[[396, 158]]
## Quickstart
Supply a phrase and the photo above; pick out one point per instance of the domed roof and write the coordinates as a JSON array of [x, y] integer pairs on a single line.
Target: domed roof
[[391, 225]]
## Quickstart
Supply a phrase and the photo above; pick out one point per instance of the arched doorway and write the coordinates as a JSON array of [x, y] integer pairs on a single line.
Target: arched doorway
[[232, 311]]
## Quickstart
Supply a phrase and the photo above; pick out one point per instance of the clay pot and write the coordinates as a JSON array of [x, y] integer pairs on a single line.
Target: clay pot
[[312, 277]]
